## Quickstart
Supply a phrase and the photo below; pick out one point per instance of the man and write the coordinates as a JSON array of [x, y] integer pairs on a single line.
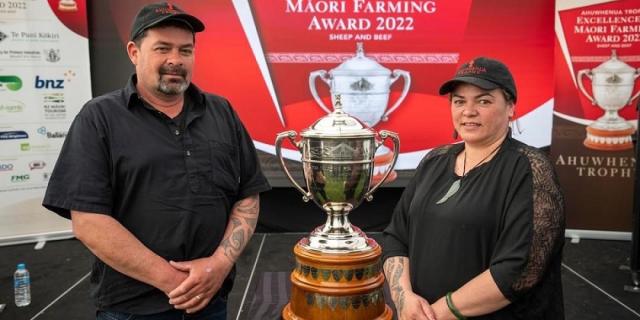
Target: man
[[161, 182]]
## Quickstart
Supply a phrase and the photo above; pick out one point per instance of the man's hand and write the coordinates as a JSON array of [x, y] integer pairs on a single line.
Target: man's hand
[[206, 276], [173, 280], [116, 246]]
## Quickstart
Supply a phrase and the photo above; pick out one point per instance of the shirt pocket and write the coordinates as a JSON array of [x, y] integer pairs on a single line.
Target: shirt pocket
[[224, 167]]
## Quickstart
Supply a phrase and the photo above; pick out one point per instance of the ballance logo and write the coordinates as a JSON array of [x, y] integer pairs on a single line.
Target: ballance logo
[[13, 135], [10, 82], [51, 135]]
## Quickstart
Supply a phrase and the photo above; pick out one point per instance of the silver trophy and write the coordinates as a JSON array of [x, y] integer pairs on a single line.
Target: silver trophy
[[337, 162], [612, 84], [364, 86]]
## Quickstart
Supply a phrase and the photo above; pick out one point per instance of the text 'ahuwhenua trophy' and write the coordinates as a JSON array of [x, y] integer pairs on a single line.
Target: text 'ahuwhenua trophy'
[[338, 272]]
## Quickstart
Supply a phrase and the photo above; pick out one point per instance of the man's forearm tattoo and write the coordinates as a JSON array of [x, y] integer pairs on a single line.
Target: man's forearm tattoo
[[244, 217], [248, 206], [394, 268]]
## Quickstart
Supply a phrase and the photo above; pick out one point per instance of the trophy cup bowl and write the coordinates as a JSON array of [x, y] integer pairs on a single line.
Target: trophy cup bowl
[[337, 162], [338, 272], [612, 84], [363, 85]]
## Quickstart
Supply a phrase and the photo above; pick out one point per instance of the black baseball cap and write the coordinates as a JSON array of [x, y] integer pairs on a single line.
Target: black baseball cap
[[485, 73], [155, 13]]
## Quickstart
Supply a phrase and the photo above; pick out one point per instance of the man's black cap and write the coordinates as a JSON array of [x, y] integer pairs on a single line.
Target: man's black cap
[[155, 13], [485, 73]]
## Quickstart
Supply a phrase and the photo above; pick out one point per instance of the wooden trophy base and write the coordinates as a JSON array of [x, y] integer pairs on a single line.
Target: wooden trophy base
[[332, 286], [606, 140]]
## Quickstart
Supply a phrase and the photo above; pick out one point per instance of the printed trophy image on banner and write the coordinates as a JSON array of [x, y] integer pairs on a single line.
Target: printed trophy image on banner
[[364, 86], [596, 78], [612, 85], [338, 272], [273, 48]]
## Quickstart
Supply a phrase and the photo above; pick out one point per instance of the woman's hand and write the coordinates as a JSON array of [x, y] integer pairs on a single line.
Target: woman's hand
[[411, 306], [408, 304]]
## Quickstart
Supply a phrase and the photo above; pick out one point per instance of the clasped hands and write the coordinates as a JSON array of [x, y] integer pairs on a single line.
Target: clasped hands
[[201, 280]]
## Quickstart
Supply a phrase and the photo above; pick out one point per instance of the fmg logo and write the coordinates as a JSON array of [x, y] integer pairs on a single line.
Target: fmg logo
[[42, 83], [20, 178]]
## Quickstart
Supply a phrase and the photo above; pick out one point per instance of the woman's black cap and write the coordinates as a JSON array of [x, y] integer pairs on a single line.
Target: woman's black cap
[[485, 73]]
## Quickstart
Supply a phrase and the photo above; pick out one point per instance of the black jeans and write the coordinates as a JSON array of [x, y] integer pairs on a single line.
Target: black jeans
[[216, 310]]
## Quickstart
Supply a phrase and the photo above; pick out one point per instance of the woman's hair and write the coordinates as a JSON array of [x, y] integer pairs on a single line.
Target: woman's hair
[[507, 96]]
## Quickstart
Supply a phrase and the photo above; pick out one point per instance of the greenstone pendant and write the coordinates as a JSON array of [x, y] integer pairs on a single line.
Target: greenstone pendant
[[455, 186]]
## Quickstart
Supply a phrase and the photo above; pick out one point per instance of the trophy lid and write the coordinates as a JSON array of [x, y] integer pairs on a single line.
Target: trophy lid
[[338, 124], [360, 65], [613, 65]]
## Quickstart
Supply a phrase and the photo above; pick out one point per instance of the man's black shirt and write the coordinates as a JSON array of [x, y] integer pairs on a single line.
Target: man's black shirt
[[171, 183]]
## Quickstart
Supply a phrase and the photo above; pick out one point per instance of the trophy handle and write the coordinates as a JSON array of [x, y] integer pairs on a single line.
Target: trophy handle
[[581, 73], [637, 93], [312, 86], [290, 135], [397, 73], [384, 134]]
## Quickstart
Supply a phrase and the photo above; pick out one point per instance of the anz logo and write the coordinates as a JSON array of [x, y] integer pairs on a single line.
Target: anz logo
[[42, 83]]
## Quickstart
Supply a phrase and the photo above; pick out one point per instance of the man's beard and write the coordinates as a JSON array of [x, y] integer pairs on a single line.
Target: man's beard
[[173, 86]]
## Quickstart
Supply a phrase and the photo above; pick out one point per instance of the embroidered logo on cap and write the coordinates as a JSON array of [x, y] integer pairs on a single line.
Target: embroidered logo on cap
[[168, 10], [470, 68]]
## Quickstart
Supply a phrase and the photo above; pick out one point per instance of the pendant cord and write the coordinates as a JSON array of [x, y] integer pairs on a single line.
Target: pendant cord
[[464, 162], [455, 186]]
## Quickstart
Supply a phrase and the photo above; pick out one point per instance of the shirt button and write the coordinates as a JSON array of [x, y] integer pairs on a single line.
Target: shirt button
[[177, 132], [188, 153]]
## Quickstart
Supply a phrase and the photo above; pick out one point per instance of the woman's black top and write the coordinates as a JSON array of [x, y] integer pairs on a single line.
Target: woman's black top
[[508, 217]]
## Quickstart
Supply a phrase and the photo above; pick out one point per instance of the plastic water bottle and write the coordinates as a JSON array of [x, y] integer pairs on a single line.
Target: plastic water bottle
[[22, 286]]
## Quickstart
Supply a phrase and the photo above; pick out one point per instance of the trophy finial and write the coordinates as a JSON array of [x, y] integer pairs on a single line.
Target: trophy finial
[[614, 54], [359, 49]]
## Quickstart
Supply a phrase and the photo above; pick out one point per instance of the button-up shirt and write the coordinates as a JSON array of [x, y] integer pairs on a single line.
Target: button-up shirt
[[170, 182]]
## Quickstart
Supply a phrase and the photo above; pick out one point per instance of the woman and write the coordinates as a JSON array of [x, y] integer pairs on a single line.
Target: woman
[[479, 230]]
